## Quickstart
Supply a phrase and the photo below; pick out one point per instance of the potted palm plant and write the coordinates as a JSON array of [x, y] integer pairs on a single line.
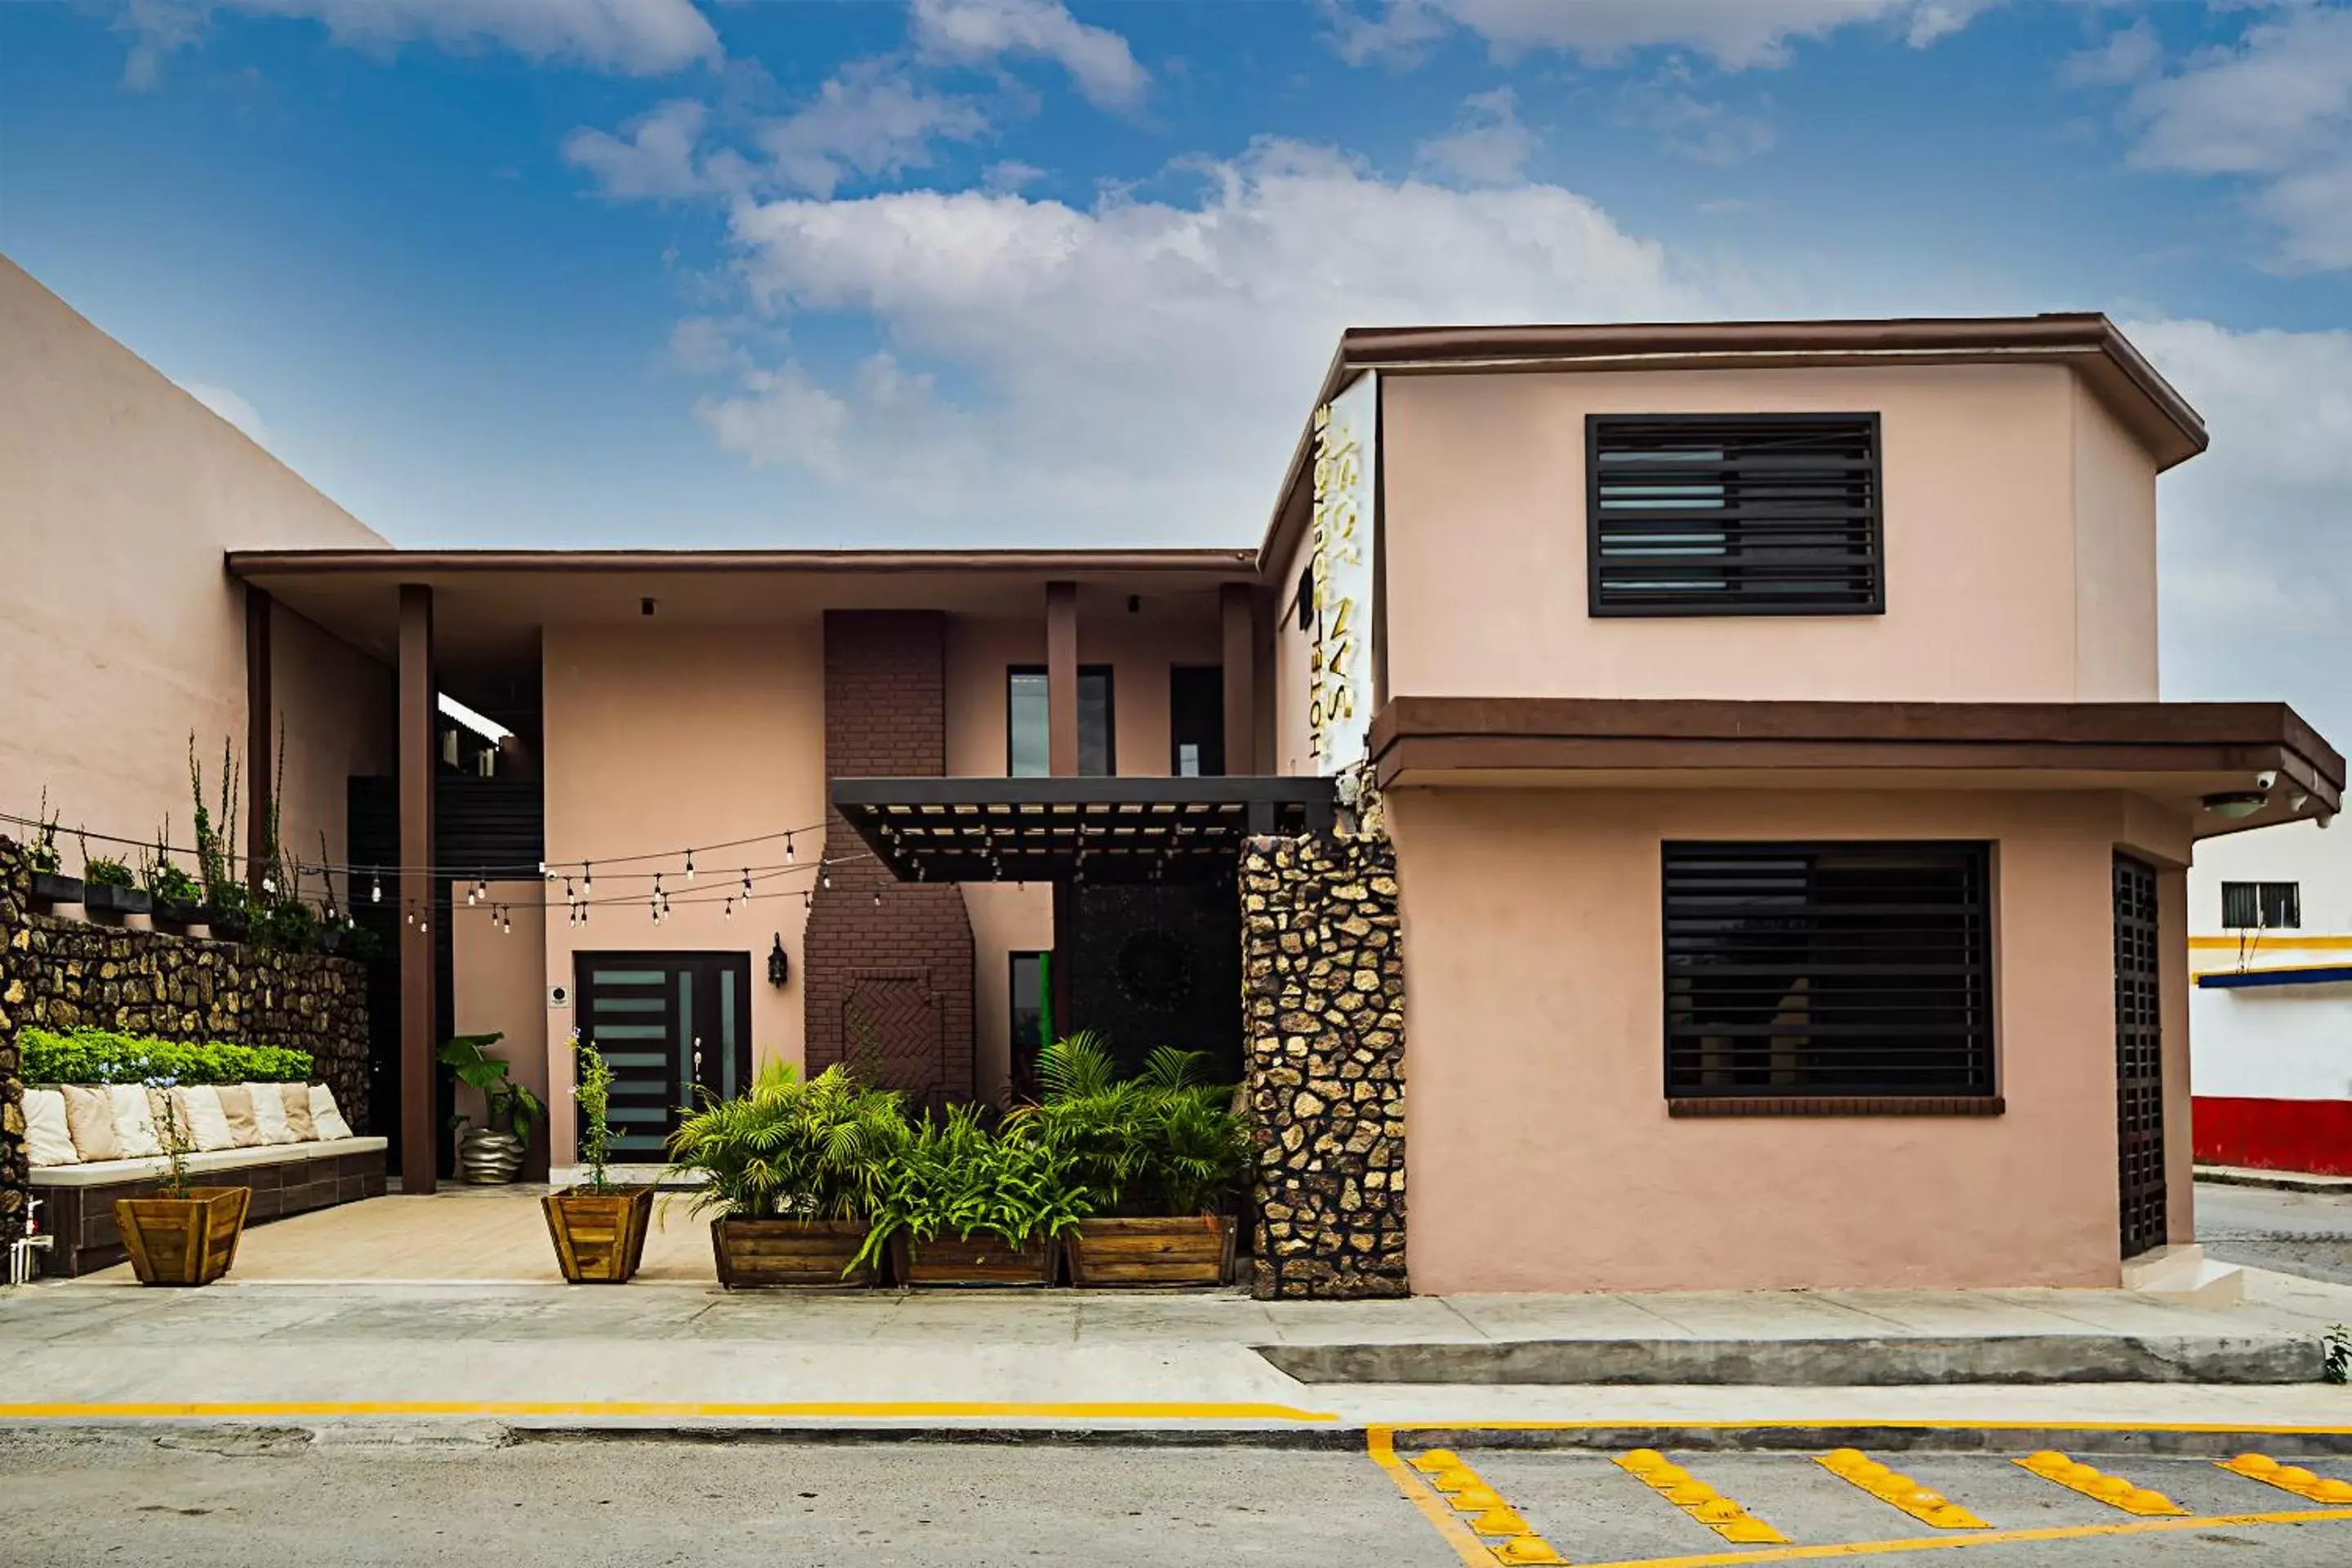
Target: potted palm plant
[[183, 1234], [792, 1169], [490, 1154], [1158, 1154], [598, 1226], [959, 1204]]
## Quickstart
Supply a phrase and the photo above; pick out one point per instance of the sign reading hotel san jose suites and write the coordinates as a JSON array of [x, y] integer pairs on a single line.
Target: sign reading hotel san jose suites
[[1340, 662]]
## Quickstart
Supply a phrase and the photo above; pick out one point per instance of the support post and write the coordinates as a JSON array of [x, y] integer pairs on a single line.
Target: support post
[[419, 759], [260, 775], [1061, 679], [1235, 611]]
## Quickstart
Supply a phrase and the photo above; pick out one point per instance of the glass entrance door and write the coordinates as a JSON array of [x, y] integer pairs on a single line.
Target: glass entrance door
[[673, 1026]]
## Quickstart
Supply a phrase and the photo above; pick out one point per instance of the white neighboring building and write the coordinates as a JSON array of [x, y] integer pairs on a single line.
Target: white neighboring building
[[2270, 921]]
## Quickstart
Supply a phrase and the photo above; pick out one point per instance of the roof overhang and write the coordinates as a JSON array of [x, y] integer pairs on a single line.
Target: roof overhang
[[2088, 342], [2179, 752], [1123, 830]]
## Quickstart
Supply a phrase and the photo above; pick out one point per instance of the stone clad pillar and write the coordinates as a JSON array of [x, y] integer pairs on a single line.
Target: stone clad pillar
[[1323, 1066]]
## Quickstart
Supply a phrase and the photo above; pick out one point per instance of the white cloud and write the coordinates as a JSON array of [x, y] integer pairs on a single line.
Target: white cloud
[[1735, 33], [655, 160], [231, 407], [1132, 369], [639, 37], [2128, 55], [2276, 107], [871, 120], [1488, 146], [978, 32], [1692, 127]]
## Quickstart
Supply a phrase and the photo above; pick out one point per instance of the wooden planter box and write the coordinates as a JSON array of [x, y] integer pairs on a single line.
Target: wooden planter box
[[182, 1241], [600, 1238], [1108, 1253], [752, 1253], [980, 1259]]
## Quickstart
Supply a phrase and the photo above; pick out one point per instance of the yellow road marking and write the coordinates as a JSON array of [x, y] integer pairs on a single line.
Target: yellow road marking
[[1875, 1424], [1466, 1545], [2093, 1483], [1893, 1488], [1989, 1538], [869, 1409], [2288, 1478], [1698, 1499]]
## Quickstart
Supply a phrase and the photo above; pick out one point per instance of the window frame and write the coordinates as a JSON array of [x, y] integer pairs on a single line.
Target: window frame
[[2263, 895], [1733, 606], [1110, 720], [1852, 1096]]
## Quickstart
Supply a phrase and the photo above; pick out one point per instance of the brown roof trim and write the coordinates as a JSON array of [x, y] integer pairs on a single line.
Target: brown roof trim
[[2087, 341], [1451, 734], [396, 564]]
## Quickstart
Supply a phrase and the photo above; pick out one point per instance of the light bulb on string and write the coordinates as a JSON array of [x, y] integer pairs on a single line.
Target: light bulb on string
[[588, 877], [657, 884], [747, 881], [730, 909], [788, 849], [689, 865], [824, 875], [375, 890], [877, 894]]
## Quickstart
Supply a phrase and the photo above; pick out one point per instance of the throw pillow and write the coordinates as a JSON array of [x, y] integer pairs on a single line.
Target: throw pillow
[[49, 1140], [329, 1121], [296, 1096], [237, 1110], [270, 1112], [134, 1121], [198, 1108], [89, 1116]]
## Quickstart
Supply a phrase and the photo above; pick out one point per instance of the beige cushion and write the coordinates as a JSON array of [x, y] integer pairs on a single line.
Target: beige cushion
[[296, 1098], [269, 1113], [237, 1110], [134, 1121], [49, 1140], [202, 1121], [89, 1116], [329, 1121]]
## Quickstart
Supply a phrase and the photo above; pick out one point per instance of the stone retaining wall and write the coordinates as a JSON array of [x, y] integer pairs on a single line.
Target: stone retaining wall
[[66, 975], [1323, 992]]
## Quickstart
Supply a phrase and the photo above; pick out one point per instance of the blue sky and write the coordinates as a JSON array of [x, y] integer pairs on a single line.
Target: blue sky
[[768, 271]]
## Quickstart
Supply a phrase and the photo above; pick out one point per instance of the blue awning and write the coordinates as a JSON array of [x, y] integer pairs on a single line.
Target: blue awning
[[2254, 979]]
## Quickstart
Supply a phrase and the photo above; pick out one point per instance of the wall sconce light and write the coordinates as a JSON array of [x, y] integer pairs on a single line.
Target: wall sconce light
[[780, 967], [2236, 803]]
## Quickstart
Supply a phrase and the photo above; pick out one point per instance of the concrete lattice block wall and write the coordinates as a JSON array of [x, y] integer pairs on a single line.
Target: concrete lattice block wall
[[1323, 1066]]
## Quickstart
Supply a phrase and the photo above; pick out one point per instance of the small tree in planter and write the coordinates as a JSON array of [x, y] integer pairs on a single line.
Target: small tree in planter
[[173, 895], [793, 1169], [49, 885], [598, 1227], [108, 885], [492, 1153], [227, 901], [184, 1235], [959, 1204]]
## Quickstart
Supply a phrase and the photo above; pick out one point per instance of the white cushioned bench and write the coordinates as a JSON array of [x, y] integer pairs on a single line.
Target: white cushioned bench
[[78, 1200]]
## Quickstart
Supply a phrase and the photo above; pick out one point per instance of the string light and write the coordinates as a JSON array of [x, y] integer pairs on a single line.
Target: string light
[[788, 849], [877, 894], [375, 891], [689, 865], [824, 875], [730, 909], [588, 875], [747, 881]]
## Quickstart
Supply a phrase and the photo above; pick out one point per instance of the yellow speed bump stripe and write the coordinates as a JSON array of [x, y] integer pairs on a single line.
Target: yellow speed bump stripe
[[1698, 1499], [1892, 1487], [1462, 1507], [2288, 1477], [2113, 1490], [1989, 1538], [868, 1410]]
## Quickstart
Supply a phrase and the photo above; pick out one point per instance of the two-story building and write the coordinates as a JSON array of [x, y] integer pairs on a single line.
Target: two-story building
[[1789, 843]]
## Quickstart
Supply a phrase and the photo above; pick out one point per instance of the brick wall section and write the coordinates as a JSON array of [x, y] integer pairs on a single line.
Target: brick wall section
[[885, 717], [1323, 1066]]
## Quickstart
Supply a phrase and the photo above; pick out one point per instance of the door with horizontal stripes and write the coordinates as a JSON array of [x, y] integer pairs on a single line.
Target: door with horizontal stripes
[[673, 1026]]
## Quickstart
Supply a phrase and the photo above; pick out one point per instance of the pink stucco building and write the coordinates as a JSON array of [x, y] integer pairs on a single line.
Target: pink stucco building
[[1754, 729]]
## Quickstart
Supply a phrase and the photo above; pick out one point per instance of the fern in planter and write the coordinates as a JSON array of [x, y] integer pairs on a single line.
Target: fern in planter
[[953, 1177], [1163, 1142], [797, 1147]]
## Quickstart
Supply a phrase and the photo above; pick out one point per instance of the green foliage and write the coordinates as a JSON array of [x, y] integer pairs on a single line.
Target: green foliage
[[107, 872], [102, 1056], [595, 1097], [287, 924], [508, 1107], [953, 1176], [41, 854], [214, 865], [165, 882], [1161, 1142], [812, 1148]]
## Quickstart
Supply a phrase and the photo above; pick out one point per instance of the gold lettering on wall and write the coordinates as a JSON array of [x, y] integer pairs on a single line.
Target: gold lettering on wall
[[1334, 669]]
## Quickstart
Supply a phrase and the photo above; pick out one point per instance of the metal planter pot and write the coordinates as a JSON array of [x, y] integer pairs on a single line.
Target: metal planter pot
[[49, 888], [101, 898], [488, 1158]]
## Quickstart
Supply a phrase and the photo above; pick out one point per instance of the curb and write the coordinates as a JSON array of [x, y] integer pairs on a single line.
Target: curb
[[2277, 1181]]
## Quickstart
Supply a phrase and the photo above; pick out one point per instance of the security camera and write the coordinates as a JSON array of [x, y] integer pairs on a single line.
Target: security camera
[[2264, 781]]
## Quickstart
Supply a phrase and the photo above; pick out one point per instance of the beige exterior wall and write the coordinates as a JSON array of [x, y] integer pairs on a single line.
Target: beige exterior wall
[[660, 738], [119, 632], [496, 980], [2020, 543], [1540, 1151]]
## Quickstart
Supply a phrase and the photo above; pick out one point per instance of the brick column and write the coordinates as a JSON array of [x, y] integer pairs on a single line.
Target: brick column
[[887, 986]]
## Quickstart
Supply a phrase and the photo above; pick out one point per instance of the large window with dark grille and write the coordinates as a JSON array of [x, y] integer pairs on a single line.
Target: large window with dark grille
[[2262, 905], [1734, 515], [1800, 970], [1028, 752]]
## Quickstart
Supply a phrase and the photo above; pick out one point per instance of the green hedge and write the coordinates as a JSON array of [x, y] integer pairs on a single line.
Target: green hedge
[[100, 1055]]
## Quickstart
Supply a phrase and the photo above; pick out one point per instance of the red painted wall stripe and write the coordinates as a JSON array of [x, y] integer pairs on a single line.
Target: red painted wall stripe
[[2313, 1135]]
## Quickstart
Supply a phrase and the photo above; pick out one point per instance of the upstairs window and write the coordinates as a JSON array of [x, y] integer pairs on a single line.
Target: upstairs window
[[2262, 905], [1027, 746], [1757, 514]]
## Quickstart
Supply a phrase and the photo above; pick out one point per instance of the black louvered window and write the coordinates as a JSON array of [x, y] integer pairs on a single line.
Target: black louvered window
[[1828, 968], [2262, 905], [1734, 515]]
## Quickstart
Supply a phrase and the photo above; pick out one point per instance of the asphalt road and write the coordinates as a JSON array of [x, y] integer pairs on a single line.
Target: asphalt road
[[2308, 1234], [259, 1500]]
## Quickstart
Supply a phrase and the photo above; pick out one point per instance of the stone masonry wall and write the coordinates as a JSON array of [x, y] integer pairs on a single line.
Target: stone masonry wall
[[67, 974], [1323, 1066]]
